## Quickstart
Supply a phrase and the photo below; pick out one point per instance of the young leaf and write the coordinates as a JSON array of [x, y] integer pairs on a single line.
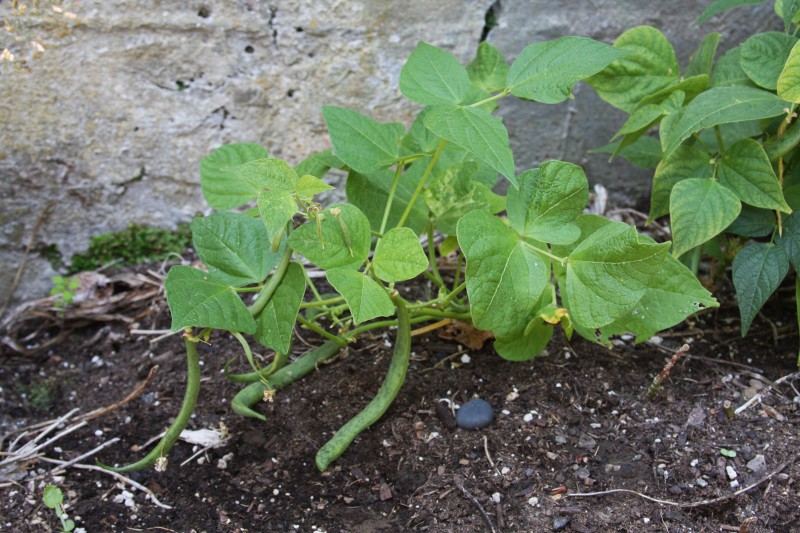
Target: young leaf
[[310, 185], [365, 298], [52, 496], [718, 6], [221, 189], [547, 201], [370, 193], [700, 209], [702, 61], [316, 164], [729, 72], [789, 240], [789, 81], [276, 207], [361, 143], [234, 247], [720, 105], [763, 56], [546, 71], [333, 240], [789, 11], [685, 162], [399, 256], [432, 76], [489, 69], [645, 152], [476, 131], [746, 169], [758, 270], [196, 299], [525, 342], [275, 323], [504, 277], [271, 173], [650, 67], [453, 194]]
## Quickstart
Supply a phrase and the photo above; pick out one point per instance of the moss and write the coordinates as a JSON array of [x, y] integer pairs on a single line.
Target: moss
[[138, 243]]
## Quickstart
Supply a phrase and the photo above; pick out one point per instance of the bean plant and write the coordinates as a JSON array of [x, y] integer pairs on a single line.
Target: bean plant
[[726, 161], [525, 262]]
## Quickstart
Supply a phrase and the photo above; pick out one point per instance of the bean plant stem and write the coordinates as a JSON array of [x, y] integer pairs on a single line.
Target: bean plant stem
[[269, 289], [432, 255], [720, 144], [422, 181], [503, 93], [389, 200], [319, 331]]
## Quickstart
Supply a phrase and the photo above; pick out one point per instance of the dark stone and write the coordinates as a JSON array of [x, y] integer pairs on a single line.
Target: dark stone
[[560, 522], [475, 414]]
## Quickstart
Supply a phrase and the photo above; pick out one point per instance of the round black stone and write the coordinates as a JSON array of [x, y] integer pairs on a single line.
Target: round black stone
[[475, 414]]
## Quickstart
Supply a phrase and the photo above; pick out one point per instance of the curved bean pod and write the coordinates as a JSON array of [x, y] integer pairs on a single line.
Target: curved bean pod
[[394, 379]]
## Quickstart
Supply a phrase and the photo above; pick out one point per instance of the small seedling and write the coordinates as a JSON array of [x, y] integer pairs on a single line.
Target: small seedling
[[64, 288], [54, 499]]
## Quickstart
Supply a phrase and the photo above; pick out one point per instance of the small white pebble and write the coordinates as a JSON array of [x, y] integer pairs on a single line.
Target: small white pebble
[[275, 492], [528, 417], [98, 433], [533, 502], [505, 470], [465, 359], [731, 472], [496, 497]]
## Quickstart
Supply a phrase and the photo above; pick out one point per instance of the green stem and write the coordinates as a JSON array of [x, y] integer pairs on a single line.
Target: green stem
[[321, 303], [269, 289], [174, 432], [432, 255], [311, 286], [720, 144], [319, 331], [562, 260], [457, 275], [389, 200], [247, 352], [503, 93], [422, 181], [695, 259], [455, 292]]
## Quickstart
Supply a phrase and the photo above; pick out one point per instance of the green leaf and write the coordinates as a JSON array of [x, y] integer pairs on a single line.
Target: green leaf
[[719, 6], [310, 185], [700, 209], [276, 207], [197, 299], [432, 76], [234, 247], [685, 162], [504, 277], [763, 56], [361, 143], [746, 169], [702, 61], [363, 295], [270, 173], [52, 496], [789, 240], [453, 194], [476, 131], [651, 66], [720, 105], [788, 85], [676, 295], [275, 323], [789, 11], [644, 153], [643, 118], [315, 165], [546, 71], [690, 87], [758, 270], [547, 201], [729, 72], [371, 192], [524, 343], [609, 272], [753, 222], [337, 241], [399, 256], [221, 189], [489, 69]]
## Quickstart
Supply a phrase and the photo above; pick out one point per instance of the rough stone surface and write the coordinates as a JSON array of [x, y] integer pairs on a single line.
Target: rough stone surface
[[475, 414], [117, 112]]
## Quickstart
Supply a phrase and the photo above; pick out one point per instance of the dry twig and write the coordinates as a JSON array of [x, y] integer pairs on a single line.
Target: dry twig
[[474, 500]]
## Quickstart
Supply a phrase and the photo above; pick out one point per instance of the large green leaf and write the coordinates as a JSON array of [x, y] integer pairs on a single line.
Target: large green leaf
[[753, 222], [197, 299], [728, 72], [702, 61], [720, 105], [789, 240], [504, 277], [719, 6], [746, 169], [650, 67], [523, 343], [221, 189], [789, 80], [275, 323], [489, 69], [609, 272], [399, 256], [270, 173], [547, 200], [361, 143], [365, 298], [789, 11], [645, 152], [685, 162], [341, 240], [700, 209], [476, 131], [234, 247], [454, 193], [371, 192], [432, 76], [276, 207], [546, 71], [763, 56], [758, 270]]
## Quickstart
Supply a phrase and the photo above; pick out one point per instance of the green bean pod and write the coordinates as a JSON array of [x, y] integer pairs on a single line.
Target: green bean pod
[[254, 393], [394, 379], [173, 433]]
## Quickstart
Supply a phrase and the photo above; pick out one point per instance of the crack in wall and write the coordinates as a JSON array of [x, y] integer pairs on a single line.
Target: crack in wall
[[491, 19]]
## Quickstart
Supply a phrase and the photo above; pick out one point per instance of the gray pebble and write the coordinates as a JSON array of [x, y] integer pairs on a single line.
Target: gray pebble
[[757, 464], [475, 414], [587, 442], [561, 439], [560, 522]]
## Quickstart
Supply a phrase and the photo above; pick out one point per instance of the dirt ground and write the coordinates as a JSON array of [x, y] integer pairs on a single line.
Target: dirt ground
[[574, 420]]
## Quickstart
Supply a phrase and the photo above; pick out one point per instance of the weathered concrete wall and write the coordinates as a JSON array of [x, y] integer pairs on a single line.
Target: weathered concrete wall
[[117, 113]]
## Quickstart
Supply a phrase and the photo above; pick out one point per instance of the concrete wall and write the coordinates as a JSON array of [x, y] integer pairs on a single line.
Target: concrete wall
[[113, 118]]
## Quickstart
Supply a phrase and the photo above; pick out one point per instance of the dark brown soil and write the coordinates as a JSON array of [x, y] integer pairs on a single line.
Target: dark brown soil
[[575, 420]]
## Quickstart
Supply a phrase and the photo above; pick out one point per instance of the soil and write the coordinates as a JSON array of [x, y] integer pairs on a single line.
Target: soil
[[574, 420]]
